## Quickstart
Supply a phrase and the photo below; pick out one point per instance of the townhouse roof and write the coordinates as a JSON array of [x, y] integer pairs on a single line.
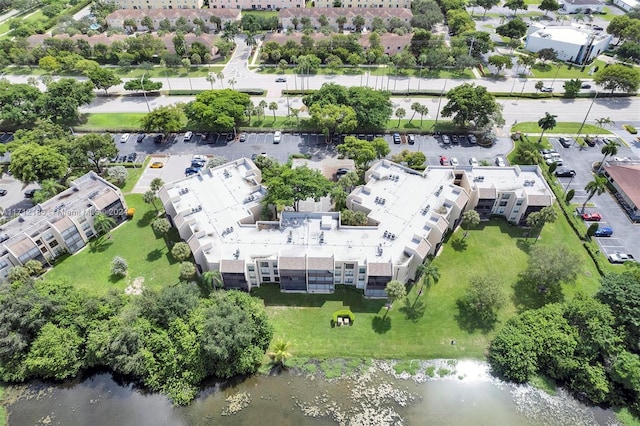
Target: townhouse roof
[[349, 13], [172, 14]]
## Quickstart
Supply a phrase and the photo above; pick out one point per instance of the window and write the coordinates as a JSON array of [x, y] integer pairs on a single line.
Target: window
[[251, 268], [264, 264], [519, 202], [505, 196], [503, 203]]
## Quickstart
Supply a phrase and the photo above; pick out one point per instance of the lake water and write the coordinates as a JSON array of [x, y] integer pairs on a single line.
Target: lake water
[[377, 396]]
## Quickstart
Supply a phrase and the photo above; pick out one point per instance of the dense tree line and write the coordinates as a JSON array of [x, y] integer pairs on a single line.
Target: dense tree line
[[590, 344], [168, 340]]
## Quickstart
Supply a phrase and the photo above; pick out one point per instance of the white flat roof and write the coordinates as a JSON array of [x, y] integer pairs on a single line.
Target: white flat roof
[[568, 34]]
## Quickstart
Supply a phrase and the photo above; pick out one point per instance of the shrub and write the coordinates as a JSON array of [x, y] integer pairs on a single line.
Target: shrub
[[117, 174], [629, 128], [181, 251], [344, 313], [130, 212], [187, 271], [119, 266]]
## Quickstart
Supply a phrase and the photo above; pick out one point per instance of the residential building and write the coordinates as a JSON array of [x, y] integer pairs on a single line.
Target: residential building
[[390, 43], [218, 211], [624, 177], [574, 43], [63, 224], [117, 18], [627, 5], [581, 6], [355, 4], [257, 4], [286, 16], [159, 4]]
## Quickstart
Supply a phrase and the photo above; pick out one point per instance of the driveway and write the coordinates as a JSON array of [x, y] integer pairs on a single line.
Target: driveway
[[172, 170]]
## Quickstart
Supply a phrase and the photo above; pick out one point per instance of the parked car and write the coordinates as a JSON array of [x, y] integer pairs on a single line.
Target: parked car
[[587, 86], [30, 193], [341, 172], [590, 141], [411, 139], [563, 172], [500, 162], [597, 28], [472, 139], [619, 257], [565, 142], [445, 139], [157, 139], [550, 154], [187, 136], [453, 161], [141, 137], [243, 137], [547, 152], [3, 192], [547, 90], [132, 157], [198, 163], [556, 160], [157, 165], [281, 80], [604, 232], [592, 217], [277, 136], [124, 138], [396, 138], [455, 139], [443, 160], [230, 136], [191, 171], [473, 161]]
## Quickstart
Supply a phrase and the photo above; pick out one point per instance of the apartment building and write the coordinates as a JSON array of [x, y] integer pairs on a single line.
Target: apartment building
[[286, 16], [117, 18], [355, 4], [257, 4], [159, 4], [574, 43], [63, 224], [217, 212], [390, 43]]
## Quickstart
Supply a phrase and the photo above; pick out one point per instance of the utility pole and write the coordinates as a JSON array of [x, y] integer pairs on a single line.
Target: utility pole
[[144, 92], [473, 40], [440, 101], [586, 116]]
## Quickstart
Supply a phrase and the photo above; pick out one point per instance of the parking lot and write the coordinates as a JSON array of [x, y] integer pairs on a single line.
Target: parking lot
[[14, 201], [626, 234]]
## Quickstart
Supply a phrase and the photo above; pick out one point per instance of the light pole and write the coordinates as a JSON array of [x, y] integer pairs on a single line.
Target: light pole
[[586, 116], [440, 101], [567, 187], [144, 92]]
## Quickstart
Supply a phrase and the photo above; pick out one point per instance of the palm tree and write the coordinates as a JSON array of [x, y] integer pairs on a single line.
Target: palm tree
[[341, 20], [611, 148], [220, 76], [470, 218], [262, 105], [103, 224], [547, 122], [211, 78], [424, 110], [605, 121], [280, 351], [429, 273], [415, 107], [273, 106], [597, 186], [400, 113], [212, 279]]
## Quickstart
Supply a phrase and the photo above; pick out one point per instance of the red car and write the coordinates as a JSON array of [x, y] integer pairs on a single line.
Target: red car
[[592, 217], [443, 160]]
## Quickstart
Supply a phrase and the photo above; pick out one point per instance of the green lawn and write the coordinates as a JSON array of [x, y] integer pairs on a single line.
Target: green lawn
[[135, 241], [550, 70], [495, 248], [108, 121], [561, 128], [378, 71], [260, 13]]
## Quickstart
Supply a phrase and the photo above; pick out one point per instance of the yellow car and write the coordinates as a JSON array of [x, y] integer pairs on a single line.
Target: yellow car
[[157, 165]]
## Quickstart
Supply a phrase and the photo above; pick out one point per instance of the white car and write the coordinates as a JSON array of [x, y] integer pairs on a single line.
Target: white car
[[453, 161], [277, 136], [473, 161], [124, 138], [188, 135], [200, 157], [556, 160], [499, 162]]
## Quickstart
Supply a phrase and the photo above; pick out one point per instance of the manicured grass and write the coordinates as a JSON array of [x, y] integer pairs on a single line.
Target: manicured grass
[[561, 128], [3, 410], [421, 327], [134, 175], [261, 13], [107, 121], [135, 241], [550, 70], [624, 416]]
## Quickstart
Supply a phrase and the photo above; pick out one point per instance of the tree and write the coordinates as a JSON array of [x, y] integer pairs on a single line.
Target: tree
[[482, 299], [161, 226], [156, 184], [150, 197], [549, 6], [610, 148], [551, 266], [536, 220], [181, 251], [211, 78], [618, 77], [514, 29], [49, 63], [459, 21], [400, 113], [187, 271], [621, 292], [119, 266], [413, 159], [63, 97], [353, 218], [486, 5], [48, 189], [605, 121], [217, 110], [55, 354], [470, 103], [340, 20], [597, 186], [572, 87], [103, 79], [20, 104], [500, 62], [360, 151], [332, 119], [291, 186], [144, 84], [147, 22], [358, 23], [547, 54], [539, 85], [103, 224], [548, 122], [470, 218], [395, 291], [212, 279], [36, 163], [94, 147], [516, 5], [273, 106], [570, 194], [280, 352], [429, 273], [165, 119]]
